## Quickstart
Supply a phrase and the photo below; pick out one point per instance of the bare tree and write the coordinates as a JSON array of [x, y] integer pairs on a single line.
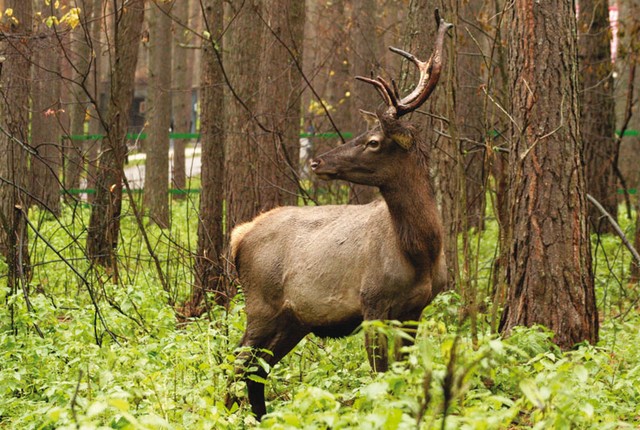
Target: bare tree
[[469, 111], [366, 58], [45, 127], [14, 146], [14, 138], [597, 113], [243, 41], [181, 91], [278, 106], [156, 186], [208, 266], [549, 265], [104, 224], [83, 63]]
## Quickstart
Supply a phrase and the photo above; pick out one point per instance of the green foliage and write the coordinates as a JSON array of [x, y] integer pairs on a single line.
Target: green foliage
[[157, 373]]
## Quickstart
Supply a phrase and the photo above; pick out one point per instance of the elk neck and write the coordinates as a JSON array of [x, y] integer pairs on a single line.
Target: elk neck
[[412, 205]]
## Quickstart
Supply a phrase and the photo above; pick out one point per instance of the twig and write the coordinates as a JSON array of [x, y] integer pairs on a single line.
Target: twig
[[616, 227], [73, 400]]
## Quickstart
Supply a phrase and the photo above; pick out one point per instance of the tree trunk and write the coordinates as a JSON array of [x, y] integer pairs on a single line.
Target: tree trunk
[[83, 64], [628, 89], [181, 96], [278, 106], [549, 265], [469, 111], [597, 119], [14, 140], [327, 65], [243, 41], [15, 149], [104, 224], [366, 58], [98, 77], [45, 129], [156, 185], [208, 269]]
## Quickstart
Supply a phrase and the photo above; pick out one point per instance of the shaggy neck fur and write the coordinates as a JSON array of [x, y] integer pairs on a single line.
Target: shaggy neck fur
[[415, 213]]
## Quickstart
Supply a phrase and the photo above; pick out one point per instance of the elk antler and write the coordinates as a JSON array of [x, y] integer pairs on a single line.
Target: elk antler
[[429, 75]]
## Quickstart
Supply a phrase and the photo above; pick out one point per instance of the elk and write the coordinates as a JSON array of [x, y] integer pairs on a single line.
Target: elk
[[325, 269]]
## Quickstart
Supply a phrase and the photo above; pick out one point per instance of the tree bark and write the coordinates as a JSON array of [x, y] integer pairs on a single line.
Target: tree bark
[[209, 269], [243, 40], [278, 105], [549, 264], [327, 65], [181, 93], [45, 127], [366, 58], [14, 138], [469, 111], [597, 119], [104, 224], [98, 77], [83, 62], [156, 186]]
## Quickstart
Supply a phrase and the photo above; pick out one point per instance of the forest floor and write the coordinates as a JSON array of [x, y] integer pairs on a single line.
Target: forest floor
[[83, 347]]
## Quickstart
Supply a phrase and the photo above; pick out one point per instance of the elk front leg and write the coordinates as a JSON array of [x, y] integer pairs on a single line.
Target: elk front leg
[[271, 347]]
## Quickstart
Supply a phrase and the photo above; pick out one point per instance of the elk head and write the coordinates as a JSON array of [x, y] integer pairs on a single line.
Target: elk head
[[374, 157]]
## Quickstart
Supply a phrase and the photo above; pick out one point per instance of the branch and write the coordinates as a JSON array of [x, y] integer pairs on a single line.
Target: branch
[[616, 227]]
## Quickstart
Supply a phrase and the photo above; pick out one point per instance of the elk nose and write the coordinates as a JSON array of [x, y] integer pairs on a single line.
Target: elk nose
[[315, 164]]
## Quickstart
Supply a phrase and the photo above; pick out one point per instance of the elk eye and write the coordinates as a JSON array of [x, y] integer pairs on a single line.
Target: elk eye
[[373, 144]]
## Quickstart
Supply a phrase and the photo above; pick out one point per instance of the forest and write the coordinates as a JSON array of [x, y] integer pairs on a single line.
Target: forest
[[319, 214]]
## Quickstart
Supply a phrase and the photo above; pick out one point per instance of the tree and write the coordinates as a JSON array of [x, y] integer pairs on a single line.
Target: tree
[[326, 105], [14, 146], [181, 91], [104, 224], [82, 63], [549, 264], [243, 41], [45, 126], [156, 187], [469, 111], [14, 138], [597, 113], [278, 106], [365, 59], [208, 266]]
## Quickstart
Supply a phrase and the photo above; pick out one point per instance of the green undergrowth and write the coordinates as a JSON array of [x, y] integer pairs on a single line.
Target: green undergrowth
[[114, 354]]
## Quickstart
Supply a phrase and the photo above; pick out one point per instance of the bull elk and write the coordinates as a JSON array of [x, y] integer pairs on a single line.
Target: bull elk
[[325, 269]]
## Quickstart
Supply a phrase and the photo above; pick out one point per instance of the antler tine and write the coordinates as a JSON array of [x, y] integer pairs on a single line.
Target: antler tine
[[409, 56], [396, 92], [382, 89], [390, 91]]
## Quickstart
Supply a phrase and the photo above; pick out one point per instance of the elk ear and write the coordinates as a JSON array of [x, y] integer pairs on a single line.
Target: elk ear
[[371, 118], [393, 129]]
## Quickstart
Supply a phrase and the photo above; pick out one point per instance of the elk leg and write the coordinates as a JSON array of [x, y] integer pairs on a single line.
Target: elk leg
[[279, 343]]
